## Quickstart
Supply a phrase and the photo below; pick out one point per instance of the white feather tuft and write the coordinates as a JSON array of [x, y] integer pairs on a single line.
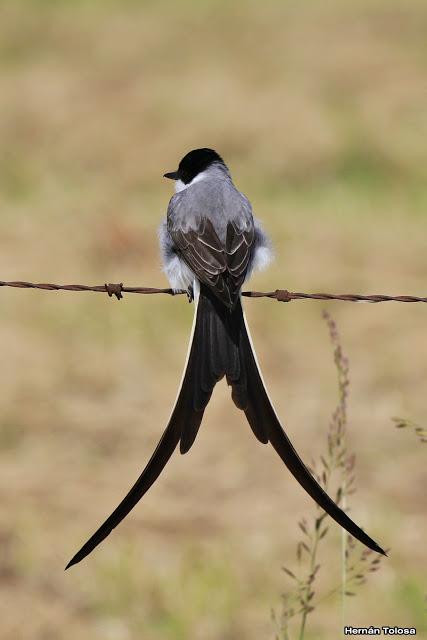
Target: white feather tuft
[[263, 257], [179, 275]]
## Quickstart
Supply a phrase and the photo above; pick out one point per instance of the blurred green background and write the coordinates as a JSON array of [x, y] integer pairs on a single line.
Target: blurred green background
[[320, 110]]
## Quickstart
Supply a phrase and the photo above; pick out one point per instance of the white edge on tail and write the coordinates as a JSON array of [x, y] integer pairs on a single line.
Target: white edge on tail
[[196, 294]]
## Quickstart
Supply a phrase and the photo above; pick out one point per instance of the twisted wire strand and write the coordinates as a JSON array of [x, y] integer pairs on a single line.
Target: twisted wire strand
[[281, 295]]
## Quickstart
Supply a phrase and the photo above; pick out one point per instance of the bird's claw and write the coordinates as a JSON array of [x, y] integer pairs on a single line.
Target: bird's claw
[[190, 293]]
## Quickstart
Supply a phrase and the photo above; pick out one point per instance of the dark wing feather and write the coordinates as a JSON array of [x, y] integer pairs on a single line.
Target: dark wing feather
[[221, 266]]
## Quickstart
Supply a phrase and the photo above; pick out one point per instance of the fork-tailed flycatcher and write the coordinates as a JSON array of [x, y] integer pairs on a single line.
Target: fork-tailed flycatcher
[[210, 244]]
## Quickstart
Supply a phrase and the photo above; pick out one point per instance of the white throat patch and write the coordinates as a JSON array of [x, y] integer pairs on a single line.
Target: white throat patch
[[181, 186]]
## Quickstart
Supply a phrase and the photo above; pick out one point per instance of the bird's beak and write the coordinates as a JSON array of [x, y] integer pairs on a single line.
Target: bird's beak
[[173, 175]]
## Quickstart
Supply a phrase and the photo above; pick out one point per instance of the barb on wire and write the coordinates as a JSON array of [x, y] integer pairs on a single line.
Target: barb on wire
[[281, 295]]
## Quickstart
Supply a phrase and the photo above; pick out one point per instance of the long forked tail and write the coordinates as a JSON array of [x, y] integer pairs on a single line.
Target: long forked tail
[[220, 344], [212, 353], [263, 419]]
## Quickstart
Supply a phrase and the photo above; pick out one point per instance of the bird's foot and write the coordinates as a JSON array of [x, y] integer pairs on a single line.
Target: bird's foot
[[190, 293]]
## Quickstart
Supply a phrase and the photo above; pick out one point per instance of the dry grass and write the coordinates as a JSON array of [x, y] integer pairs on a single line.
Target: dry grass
[[321, 114]]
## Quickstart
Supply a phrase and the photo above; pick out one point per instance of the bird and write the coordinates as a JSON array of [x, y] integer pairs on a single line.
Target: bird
[[210, 244]]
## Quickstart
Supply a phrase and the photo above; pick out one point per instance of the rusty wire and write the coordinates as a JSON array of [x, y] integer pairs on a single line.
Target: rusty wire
[[281, 295]]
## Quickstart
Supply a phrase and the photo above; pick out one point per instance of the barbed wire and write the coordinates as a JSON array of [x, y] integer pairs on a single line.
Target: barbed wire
[[281, 295]]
